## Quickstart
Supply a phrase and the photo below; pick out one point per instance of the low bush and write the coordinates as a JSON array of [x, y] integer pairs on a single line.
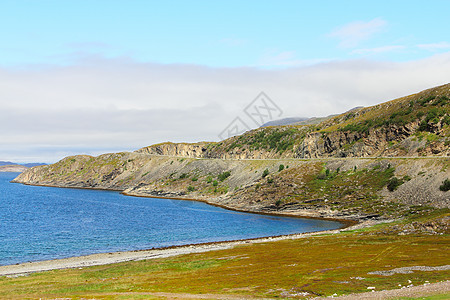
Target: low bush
[[394, 183], [224, 175], [445, 185]]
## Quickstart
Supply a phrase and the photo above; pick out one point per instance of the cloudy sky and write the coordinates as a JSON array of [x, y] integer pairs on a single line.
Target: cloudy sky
[[102, 76]]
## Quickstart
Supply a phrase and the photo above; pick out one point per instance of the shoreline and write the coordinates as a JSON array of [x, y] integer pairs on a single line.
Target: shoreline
[[346, 222], [107, 258], [23, 269]]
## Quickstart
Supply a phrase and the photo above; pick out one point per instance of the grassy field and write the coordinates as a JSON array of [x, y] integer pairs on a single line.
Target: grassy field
[[322, 265]]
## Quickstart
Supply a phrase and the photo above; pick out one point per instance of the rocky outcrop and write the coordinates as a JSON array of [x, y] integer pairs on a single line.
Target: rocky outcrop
[[194, 150]]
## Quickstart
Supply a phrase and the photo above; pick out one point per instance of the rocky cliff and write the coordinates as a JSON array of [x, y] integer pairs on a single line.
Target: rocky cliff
[[415, 125]]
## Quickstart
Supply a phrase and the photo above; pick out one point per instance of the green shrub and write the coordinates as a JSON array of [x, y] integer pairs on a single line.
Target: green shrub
[[445, 185], [394, 183], [280, 168], [224, 175], [265, 173], [190, 188], [184, 175], [209, 179], [215, 183], [194, 178], [269, 180], [278, 203]]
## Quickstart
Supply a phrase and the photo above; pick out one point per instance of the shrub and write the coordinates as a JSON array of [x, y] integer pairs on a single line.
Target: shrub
[[194, 178], [269, 180], [190, 188], [280, 168], [445, 185], [209, 179], [215, 183], [184, 175], [278, 203], [265, 173], [394, 183], [224, 175]]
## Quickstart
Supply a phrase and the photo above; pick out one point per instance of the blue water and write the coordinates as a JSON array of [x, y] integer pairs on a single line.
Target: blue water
[[40, 223]]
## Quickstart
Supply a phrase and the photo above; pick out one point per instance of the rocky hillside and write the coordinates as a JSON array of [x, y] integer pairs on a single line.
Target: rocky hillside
[[412, 126], [348, 188], [386, 161]]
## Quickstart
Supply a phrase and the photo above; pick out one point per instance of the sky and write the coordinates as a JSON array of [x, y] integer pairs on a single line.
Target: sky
[[89, 77]]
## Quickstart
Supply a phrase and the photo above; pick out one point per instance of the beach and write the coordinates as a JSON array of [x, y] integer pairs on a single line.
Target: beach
[[118, 257]]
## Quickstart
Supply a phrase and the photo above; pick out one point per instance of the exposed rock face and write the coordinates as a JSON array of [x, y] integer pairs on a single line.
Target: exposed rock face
[[415, 125], [196, 150], [389, 141]]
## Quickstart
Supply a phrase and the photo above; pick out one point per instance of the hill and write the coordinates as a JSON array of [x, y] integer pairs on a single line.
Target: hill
[[411, 126], [385, 161]]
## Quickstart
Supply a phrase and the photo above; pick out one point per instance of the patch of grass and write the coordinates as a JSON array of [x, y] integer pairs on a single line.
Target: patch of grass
[[318, 265]]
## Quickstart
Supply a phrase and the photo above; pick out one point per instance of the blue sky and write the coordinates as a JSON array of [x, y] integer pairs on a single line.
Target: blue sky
[[101, 76], [222, 33]]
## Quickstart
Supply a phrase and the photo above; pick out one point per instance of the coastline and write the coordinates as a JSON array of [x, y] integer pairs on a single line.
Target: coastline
[[346, 222], [23, 269]]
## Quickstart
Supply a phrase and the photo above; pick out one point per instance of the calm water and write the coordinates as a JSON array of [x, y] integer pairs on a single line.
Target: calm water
[[39, 223]]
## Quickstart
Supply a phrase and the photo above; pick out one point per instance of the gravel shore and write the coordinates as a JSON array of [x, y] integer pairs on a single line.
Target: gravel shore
[[118, 257]]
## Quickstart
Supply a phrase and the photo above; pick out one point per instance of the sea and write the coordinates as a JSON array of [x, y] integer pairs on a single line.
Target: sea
[[42, 223]]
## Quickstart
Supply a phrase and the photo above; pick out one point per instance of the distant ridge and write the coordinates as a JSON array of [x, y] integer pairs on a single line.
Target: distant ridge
[[28, 165], [284, 121], [303, 120]]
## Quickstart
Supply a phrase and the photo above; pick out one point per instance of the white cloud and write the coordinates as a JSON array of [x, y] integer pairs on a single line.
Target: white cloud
[[101, 105], [285, 59], [435, 46], [377, 50], [350, 35]]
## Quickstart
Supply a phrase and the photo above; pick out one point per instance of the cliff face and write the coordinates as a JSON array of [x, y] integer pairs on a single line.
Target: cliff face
[[416, 125]]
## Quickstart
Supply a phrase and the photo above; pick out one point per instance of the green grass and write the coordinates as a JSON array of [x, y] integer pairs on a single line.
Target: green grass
[[318, 265]]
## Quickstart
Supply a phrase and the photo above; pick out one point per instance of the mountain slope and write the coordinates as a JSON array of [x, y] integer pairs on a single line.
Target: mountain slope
[[415, 125]]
